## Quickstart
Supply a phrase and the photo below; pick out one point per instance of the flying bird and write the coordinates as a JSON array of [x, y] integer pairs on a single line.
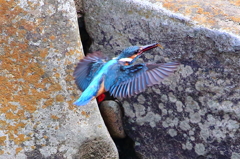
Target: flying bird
[[119, 76]]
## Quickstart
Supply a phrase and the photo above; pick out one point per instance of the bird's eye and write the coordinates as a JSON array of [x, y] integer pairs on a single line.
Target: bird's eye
[[137, 51]]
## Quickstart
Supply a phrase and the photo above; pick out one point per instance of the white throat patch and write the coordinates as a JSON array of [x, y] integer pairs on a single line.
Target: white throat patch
[[126, 59]]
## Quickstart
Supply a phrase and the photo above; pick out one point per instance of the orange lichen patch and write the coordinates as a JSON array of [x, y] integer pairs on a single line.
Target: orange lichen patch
[[23, 79], [100, 126], [59, 98], [31, 5], [22, 69], [52, 37], [168, 5], [55, 87], [188, 11], [45, 40], [2, 124], [30, 26], [204, 20], [21, 113], [18, 149], [201, 11], [22, 46], [45, 137], [236, 2], [11, 31], [71, 106], [208, 13], [10, 107], [35, 126], [51, 45], [10, 115], [21, 138], [57, 75], [43, 53], [69, 78], [54, 117], [30, 134], [13, 128], [31, 108], [235, 19], [211, 22], [48, 103], [67, 62], [2, 139], [71, 52], [216, 11], [200, 18], [85, 114], [67, 41]]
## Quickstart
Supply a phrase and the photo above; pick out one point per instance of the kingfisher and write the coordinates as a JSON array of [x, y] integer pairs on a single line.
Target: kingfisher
[[94, 75]]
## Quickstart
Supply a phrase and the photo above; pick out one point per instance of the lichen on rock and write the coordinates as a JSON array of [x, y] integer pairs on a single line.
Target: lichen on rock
[[40, 46], [194, 113]]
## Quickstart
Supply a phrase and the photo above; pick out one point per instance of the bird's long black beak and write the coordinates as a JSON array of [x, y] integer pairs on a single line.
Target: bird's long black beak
[[148, 47]]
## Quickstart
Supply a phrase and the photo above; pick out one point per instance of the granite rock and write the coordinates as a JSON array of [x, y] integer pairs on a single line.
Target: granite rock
[[40, 45], [195, 112]]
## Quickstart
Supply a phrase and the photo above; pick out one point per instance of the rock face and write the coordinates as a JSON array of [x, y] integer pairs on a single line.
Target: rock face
[[40, 46], [216, 14], [195, 112]]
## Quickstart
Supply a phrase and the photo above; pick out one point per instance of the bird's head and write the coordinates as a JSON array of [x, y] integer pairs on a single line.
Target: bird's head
[[131, 53]]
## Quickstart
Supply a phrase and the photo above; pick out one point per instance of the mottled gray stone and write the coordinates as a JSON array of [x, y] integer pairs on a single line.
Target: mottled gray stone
[[200, 149], [97, 148], [40, 46], [203, 94]]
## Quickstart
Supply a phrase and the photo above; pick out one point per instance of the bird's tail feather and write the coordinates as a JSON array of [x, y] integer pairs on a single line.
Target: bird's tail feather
[[82, 101]]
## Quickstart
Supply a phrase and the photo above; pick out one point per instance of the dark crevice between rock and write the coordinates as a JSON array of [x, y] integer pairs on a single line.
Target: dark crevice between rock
[[125, 146], [85, 38]]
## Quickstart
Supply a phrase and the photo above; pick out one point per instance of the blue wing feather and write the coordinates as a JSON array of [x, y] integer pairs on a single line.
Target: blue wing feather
[[125, 81], [87, 68]]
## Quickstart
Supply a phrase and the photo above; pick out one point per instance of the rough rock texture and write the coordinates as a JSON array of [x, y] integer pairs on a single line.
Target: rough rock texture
[[40, 46], [79, 8], [217, 14], [194, 113], [78, 5], [112, 114]]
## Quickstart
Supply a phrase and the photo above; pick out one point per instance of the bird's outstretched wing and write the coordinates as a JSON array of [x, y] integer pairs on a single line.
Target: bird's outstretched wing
[[86, 69], [136, 78]]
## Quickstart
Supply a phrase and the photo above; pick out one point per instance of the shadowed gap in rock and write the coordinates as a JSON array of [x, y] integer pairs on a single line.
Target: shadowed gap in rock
[[125, 146], [85, 38]]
